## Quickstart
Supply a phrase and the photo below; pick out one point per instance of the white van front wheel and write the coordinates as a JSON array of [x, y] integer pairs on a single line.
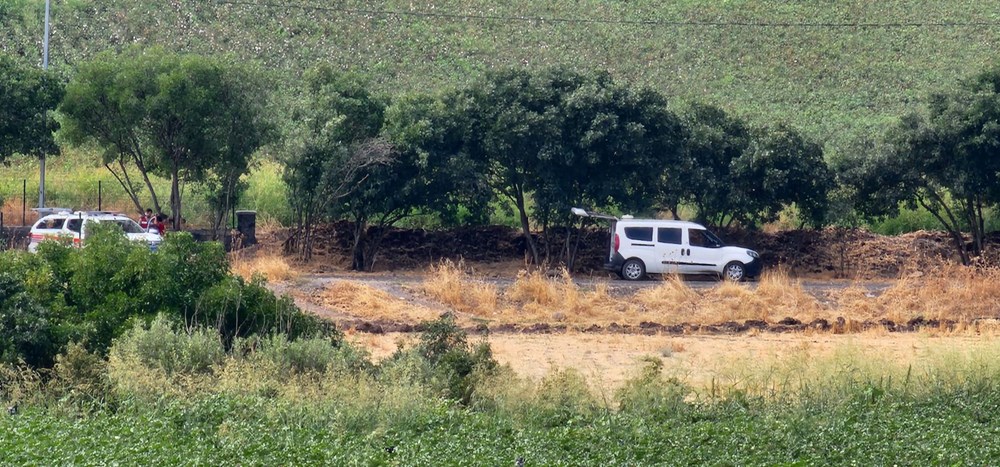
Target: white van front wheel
[[734, 271], [633, 270]]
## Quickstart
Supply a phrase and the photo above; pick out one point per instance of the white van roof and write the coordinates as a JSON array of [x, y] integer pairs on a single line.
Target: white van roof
[[661, 223]]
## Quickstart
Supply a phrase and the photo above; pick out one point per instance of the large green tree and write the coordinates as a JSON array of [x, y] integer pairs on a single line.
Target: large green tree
[[613, 141], [779, 168], [429, 171], [28, 97], [703, 177], [180, 116], [563, 138], [945, 159], [332, 140]]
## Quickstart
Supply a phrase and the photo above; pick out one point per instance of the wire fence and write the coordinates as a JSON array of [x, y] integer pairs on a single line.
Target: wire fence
[[20, 198]]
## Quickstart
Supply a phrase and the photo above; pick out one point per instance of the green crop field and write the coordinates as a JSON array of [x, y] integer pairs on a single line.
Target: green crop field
[[837, 70]]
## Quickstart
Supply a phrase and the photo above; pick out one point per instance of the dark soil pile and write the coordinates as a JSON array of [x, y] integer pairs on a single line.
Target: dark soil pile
[[830, 253]]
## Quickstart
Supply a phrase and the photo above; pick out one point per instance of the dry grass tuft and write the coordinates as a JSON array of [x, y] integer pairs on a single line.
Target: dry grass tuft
[[272, 266], [671, 295], [954, 293], [367, 302], [451, 285], [775, 297]]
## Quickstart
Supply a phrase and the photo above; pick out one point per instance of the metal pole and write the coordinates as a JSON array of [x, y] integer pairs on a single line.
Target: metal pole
[[45, 40], [45, 66], [24, 198], [99, 196]]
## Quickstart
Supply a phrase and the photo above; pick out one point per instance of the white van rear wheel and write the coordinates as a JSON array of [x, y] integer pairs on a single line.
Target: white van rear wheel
[[633, 270]]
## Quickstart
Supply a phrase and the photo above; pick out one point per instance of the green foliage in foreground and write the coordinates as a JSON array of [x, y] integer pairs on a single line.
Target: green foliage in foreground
[[254, 430], [168, 396], [89, 295]]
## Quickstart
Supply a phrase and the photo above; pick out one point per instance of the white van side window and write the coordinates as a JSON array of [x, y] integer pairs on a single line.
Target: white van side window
[[643, 234], [670, 235]]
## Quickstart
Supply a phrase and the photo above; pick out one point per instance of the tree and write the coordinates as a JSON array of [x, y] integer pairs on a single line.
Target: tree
[[105, 105], [703, 176], [429, 171], [326, 151], [179, 116], [944, 160], [516, 121], [27, 98], [627, 134], [780, 167]]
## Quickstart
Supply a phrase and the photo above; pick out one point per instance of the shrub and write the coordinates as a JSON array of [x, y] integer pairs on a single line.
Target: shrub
[[443, 360], [162, 345], [562, 398], [80, 375], [651, 394], [27, 332], [240, 309], [444, 346], [310, 355], [91, 294]]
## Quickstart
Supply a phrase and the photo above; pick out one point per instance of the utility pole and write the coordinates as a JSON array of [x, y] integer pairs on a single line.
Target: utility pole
[[45, 66]]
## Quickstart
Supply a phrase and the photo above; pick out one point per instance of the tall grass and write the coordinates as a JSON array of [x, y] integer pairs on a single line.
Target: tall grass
[[271, 400]]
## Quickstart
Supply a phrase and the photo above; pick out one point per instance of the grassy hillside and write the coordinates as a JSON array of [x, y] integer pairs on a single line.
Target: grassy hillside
[[836, 69]]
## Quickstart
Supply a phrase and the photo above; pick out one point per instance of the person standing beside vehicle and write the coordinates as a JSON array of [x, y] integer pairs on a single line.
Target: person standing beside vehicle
[[146, 218]]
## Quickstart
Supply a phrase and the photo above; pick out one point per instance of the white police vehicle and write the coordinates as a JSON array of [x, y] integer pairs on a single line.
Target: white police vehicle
[[70, 226], [641, 246]]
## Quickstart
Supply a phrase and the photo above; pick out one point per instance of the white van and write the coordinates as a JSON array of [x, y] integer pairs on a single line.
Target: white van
[[641, 246], [72, 227]]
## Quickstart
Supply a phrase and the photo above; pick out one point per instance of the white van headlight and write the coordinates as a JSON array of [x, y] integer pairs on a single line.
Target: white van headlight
[[752, 254]]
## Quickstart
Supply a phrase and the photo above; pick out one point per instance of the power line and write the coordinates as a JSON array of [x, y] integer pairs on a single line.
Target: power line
[[651, 22]]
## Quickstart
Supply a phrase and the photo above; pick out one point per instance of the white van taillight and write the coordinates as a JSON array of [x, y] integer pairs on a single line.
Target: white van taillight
[[618, 243]]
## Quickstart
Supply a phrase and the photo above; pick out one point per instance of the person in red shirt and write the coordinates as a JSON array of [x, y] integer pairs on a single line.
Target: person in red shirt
[[160, 226], [145, 219]]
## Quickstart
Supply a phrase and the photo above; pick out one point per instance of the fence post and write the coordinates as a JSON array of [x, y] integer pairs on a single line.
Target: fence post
[[99, 193], [24, 199]]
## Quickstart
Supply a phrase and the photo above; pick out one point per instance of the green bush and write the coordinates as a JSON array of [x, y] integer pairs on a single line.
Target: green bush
[[563, 398], [240, 309], [163, 345], [455, 365], [310, 355], [650, 394], [27, 332], [91, 294]]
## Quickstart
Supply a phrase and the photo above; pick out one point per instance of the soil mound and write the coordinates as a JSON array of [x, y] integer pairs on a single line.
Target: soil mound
[[831, 252]]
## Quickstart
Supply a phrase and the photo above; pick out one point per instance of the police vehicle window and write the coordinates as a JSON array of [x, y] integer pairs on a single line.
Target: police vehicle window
[[669, 235], [74, 225], [56, 223], [644, 234], [129, 226]]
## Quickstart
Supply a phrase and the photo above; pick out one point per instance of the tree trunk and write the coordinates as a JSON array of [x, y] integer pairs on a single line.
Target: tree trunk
[[525, 228], [952, 228], [359, 243], [175, 198], [126, 184]]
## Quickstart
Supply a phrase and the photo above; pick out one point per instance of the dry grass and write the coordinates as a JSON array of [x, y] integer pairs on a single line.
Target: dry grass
[[451, 285], [967, 298], [367, 302], [272, 266], [775, 297], [954, 293]]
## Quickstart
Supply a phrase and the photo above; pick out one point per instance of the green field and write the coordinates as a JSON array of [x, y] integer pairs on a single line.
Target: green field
[[837, 70], [284, 404]]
